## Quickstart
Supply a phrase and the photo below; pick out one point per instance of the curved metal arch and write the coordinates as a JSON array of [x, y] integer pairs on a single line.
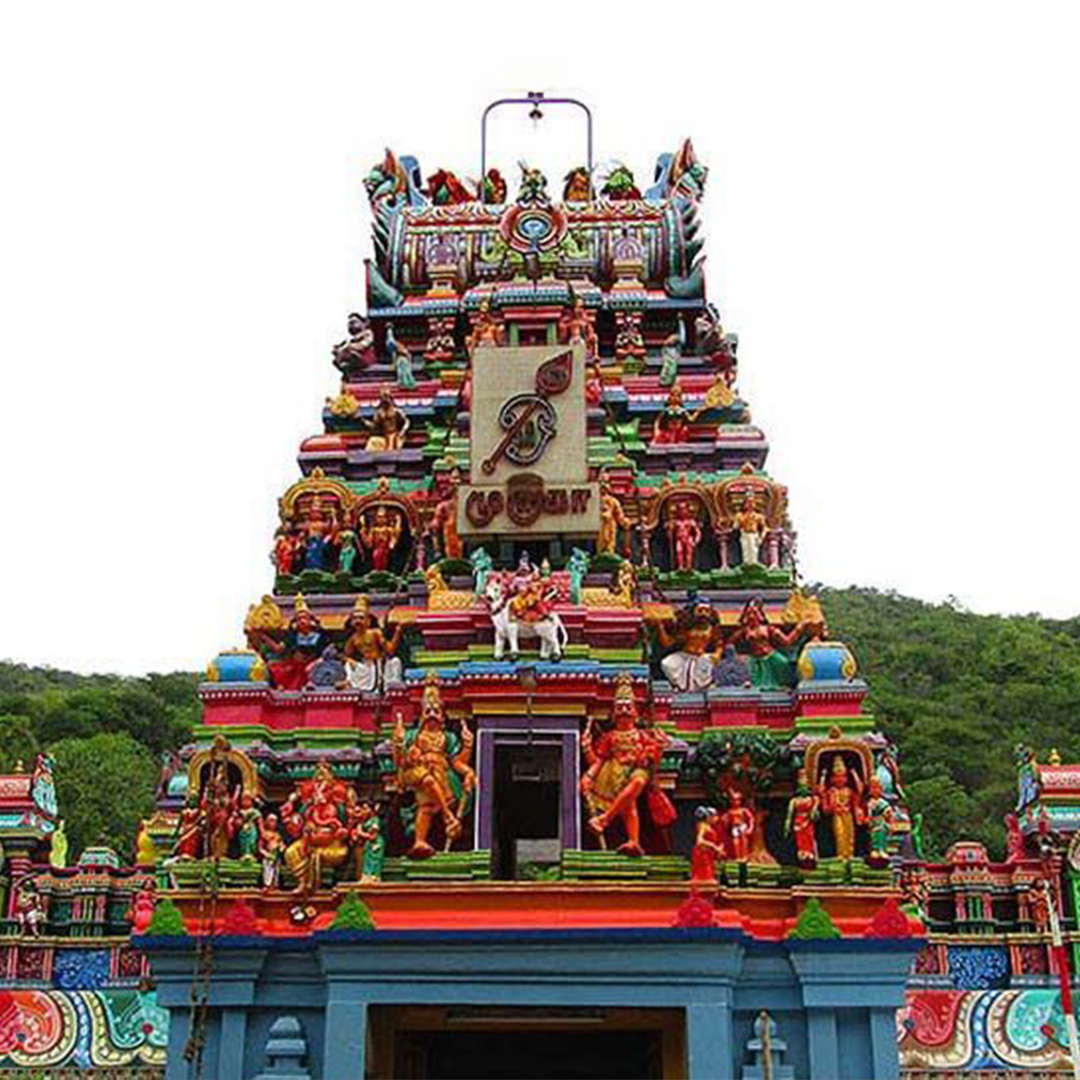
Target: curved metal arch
[[535, 98]]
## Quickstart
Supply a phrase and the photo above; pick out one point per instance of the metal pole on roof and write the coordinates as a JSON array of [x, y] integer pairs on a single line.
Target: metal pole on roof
[[534, 99]]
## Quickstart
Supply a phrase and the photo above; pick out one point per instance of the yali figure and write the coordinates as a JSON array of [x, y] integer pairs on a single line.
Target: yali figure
[[433, 764], [622, 766]]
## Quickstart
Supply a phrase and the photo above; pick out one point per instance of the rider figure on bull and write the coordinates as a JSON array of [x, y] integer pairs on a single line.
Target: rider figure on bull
[[531, 594]]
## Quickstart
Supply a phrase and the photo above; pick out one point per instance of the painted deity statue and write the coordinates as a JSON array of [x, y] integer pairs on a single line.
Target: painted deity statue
[[247, 819], [578, 328], [802, 814], [303, 644], [29, 909], [770, 668], [684, 532], [482, 565], [357, 351], [612, 518], [316, 824], [737, 823], [693, 636], [487, 329], [708, 845], [577, 566], [319, 535], [403, 372], [440, 342], [670, 354], [346, 551], [530, 593], [841, 800], [371, 660], [380, 535], [433, 764], [672, 425], [388, 426], [622, 766], [879, 820], [577, 185], [443, 527], [284, 555], [271, 850], [751, 524]]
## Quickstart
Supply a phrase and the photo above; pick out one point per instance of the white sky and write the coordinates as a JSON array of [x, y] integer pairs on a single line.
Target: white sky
[[893, 231]]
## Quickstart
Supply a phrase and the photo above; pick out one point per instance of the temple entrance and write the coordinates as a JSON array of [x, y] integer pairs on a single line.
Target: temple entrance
[[421, 1043], [527, 834]]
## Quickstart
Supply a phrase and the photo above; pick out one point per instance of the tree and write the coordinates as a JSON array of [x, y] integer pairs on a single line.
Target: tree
[[104, 787], [17, 743]]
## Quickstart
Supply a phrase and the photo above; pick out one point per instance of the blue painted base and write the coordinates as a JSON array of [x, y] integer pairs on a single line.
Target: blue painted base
[[833, 1002]]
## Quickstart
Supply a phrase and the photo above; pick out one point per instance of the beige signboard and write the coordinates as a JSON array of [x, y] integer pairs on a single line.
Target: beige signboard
[[528, 463]]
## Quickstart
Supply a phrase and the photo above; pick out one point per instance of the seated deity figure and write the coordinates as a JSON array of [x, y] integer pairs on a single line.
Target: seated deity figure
[[752, 526], [770, 666], [315, 822], [433, 764], [531, 594], [694, 638], [371, 662], [622, 765], [357, 351], [388, 426], [303, 645], [673, 424]]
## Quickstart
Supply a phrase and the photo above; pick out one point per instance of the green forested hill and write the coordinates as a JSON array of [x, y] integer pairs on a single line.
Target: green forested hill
[[955, 691]]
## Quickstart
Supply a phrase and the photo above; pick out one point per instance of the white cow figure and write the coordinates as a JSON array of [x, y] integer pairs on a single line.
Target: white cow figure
[[508, 629]]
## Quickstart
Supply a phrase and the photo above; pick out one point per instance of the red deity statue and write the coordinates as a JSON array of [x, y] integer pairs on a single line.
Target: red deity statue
[[684, 530], [738, 822], [622, 766], [708, 845], [673, 424], [315, 821], [802, 814], [381, 536]]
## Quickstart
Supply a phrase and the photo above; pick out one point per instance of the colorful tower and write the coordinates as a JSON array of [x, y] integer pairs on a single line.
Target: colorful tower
[[536, 731]]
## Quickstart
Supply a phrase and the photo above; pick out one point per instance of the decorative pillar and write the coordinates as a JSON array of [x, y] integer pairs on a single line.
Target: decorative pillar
[[345, 1041], [708, 1041], [230, 1057], [821, 1037], [883, 1044]]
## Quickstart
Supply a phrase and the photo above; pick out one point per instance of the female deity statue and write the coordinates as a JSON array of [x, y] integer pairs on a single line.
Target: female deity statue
[[841, 800], [320, 838], [370, 657], [188, 843], [612, 518], [482, 565], [433, 764], [388, 426], [673, 424], [694, 638], [770, 669], [403, 372], [247, 827], [319, 534], [802, 814], [622, 766], [684, 532], [346, 551], [708, 845], [669, 360], [879, 818], [752, 527], [531, 594], [737, 823], [381, 536], [284, 554]]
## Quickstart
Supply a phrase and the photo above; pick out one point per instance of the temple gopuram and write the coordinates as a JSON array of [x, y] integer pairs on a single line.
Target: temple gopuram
[[538, 758]]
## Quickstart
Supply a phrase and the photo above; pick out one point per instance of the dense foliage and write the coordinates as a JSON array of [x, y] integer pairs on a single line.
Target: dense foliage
[[107, 734], [955, 691]]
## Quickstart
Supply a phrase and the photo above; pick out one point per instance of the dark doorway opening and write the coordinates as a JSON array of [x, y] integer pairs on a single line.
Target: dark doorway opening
[[529, 1055], [526, 834]]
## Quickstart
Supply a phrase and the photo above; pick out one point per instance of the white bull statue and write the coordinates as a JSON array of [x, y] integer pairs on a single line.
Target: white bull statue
[[508, 628]]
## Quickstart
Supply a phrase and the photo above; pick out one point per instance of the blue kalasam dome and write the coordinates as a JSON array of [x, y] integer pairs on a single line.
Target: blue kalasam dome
[[236, 666], [826, 661]]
